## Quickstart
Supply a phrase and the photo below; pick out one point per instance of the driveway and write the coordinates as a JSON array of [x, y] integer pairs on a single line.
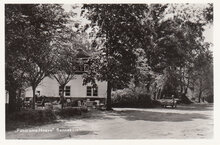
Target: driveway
[[185, 122]]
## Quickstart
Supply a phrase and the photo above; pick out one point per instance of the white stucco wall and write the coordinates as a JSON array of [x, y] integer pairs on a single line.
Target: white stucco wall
[[49, 87]]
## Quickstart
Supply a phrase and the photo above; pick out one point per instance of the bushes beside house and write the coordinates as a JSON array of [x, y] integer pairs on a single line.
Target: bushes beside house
[[70, 112], [209, 98], [128, 98]]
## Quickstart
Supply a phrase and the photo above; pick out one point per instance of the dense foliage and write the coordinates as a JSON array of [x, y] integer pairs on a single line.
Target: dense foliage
[[169, 35], [31, 33], [159, 48]]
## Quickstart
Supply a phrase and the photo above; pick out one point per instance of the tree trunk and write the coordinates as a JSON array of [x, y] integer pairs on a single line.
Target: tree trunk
[[200, 94], [193, 88], [62, 96], [12, 100], [159, 94], [19, 93], [109, 103], [181, 83], [34, 97], [200, 90], [186, 87], [154, 95]]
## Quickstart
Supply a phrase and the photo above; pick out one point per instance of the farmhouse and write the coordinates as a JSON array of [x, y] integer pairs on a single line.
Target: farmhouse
[[74, 90]]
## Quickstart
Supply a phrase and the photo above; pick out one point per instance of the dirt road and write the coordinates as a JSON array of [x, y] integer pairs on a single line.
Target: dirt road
[[185, 122]]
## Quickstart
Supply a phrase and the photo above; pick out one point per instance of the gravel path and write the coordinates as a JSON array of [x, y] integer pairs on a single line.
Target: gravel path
[[186, 122]]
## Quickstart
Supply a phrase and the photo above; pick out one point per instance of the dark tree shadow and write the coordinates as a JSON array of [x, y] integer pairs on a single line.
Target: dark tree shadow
[[151, 115], [133, 115], [196, 107]]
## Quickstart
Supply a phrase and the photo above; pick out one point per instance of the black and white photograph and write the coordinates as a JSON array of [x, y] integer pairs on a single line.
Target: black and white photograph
[[108, 71]]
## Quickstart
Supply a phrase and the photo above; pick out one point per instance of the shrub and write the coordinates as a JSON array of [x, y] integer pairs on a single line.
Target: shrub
[[25, 118], [126, 98], [156, 103], [209, 99], [32, 116], [185, 100], [70, 112]]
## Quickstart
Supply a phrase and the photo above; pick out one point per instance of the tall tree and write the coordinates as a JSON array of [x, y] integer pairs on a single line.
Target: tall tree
[[65, 58], [170, 34], [177, 38], [117, 35], [30, 29], [66, 65], [203, 75]]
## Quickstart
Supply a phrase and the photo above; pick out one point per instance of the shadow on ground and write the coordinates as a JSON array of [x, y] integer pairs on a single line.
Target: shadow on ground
[[151, 115], [195, 107], [134, 115], [13, 125]]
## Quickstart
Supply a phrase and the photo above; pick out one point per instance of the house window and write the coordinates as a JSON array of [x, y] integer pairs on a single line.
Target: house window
[[80, 68], [92, 91], [66, 90], [89, 91], [95, 91], [38, 93]]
